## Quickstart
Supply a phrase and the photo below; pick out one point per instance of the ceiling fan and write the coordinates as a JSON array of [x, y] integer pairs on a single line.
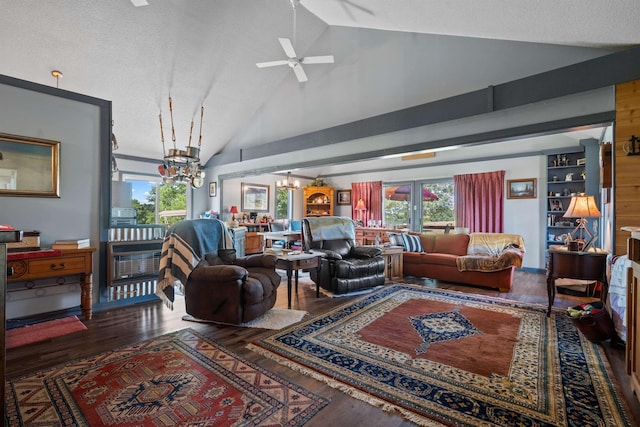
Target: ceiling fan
[[292, 59]]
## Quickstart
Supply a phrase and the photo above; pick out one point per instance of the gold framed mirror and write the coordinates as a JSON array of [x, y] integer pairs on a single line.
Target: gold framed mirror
[[29, 166]]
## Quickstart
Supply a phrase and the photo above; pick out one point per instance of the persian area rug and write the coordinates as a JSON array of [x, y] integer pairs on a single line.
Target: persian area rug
[[276, 318], [180, 378], [43, 331], [451, 358]]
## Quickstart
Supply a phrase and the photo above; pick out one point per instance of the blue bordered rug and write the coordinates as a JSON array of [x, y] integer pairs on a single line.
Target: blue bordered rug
[[450, 358]]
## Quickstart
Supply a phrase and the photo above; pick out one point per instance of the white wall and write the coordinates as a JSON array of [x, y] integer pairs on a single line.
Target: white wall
[[76, 213], [521, 216]]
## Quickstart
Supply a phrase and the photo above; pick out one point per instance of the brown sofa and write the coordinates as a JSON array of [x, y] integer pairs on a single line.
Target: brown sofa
[[483, 259]]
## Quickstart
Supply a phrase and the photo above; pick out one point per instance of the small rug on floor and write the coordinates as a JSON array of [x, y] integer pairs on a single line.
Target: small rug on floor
[[181, 378], [276, 318], [43, 331], [451, 358]]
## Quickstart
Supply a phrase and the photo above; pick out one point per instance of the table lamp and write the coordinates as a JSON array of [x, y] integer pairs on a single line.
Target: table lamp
[[233, 210], [582, 207], [360, 207]]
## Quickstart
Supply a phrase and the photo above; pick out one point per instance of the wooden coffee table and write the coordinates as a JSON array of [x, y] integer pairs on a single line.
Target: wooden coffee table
[[292, 263]]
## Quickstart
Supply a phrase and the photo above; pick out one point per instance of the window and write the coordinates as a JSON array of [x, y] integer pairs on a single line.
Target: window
[[156, 202], [434, 213], [284, 203], [397, 205], [437, 206]]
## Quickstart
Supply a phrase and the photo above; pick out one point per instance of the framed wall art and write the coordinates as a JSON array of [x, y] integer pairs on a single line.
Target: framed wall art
[[255, 198], [343, 197], [213, 189], [29, 166], [522, 188]]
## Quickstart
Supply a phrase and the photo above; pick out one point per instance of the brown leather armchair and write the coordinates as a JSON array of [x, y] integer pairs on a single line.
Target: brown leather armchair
[[217, 285], [231, 289], [344, 267]]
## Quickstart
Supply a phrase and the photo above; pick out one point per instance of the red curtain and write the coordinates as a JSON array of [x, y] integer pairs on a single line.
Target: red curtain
[[371, 194], [479, 201]]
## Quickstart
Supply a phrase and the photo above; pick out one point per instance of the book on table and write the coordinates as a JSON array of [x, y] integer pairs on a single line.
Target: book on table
[[71, 244]]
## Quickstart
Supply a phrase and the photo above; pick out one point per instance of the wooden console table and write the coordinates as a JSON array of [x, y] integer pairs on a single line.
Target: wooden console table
[[58, 265], [575, 265]]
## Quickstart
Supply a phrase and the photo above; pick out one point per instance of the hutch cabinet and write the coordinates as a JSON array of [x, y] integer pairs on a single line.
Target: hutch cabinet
[[318, 201]]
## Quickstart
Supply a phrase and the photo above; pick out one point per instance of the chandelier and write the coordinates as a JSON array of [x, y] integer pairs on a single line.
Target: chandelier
[[182, 165], [289, 184]]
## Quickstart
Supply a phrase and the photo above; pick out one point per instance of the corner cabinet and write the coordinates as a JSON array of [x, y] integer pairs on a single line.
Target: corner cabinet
[[570, 171], [566, 175], [318, 201]]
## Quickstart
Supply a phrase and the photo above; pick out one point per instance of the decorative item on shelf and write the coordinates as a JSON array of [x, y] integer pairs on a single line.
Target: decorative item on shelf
[[181, 165], [288, 184], [569, 177], [233, 210], [318, 182], [582, 207]]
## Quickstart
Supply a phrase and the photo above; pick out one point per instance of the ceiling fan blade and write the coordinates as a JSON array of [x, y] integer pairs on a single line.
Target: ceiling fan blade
[[271, 63], [288, 47], [300, 74], [327, 59]]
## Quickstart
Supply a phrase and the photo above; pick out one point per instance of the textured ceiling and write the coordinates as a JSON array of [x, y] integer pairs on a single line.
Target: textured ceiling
[[204, 52]]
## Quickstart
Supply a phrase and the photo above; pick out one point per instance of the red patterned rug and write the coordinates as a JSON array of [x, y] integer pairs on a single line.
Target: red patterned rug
[[180, 378], [43, 331]]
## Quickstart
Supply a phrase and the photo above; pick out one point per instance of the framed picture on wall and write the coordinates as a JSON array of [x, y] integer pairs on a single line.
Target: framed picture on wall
[[213, 189], [343, 197], [29, 166], [255, 198], [522, 188]]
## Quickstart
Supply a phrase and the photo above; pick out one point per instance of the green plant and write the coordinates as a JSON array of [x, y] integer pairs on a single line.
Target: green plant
[[318, 182]]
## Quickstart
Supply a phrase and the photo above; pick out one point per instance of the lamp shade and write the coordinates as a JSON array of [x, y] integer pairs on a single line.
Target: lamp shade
[[233, 209], [582, 207], [360, 206]]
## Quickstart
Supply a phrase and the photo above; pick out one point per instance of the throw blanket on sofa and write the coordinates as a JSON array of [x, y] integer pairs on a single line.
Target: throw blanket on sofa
[[331, 228], [492, 252], [184, 245]]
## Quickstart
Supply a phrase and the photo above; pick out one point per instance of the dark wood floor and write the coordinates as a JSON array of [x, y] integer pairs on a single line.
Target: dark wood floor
[[111, 329]]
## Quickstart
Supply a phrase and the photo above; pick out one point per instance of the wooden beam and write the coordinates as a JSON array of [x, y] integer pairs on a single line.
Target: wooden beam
[[419, 156]]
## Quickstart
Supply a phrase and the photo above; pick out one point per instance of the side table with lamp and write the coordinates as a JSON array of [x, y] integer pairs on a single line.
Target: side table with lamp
[[578, 260]]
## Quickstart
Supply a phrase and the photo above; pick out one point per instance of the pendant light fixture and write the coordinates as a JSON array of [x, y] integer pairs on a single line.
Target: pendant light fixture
[[288, 184], [182, 165]]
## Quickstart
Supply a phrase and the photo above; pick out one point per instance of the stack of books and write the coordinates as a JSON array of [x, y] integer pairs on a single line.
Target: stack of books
[[71, 244]]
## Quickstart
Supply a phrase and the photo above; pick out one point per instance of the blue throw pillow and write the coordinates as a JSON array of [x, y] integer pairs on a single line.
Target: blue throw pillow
[[411, 243], [395, 238]]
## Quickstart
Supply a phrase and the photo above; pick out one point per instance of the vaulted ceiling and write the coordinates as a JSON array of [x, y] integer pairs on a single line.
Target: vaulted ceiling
[[389, 55]]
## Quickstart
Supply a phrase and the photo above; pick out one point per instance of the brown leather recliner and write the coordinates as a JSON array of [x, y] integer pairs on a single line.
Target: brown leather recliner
[[344, 267], [230, 289], [218, 286]]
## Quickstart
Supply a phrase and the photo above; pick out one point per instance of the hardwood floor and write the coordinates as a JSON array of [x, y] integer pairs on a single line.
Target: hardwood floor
[[110, 329]]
